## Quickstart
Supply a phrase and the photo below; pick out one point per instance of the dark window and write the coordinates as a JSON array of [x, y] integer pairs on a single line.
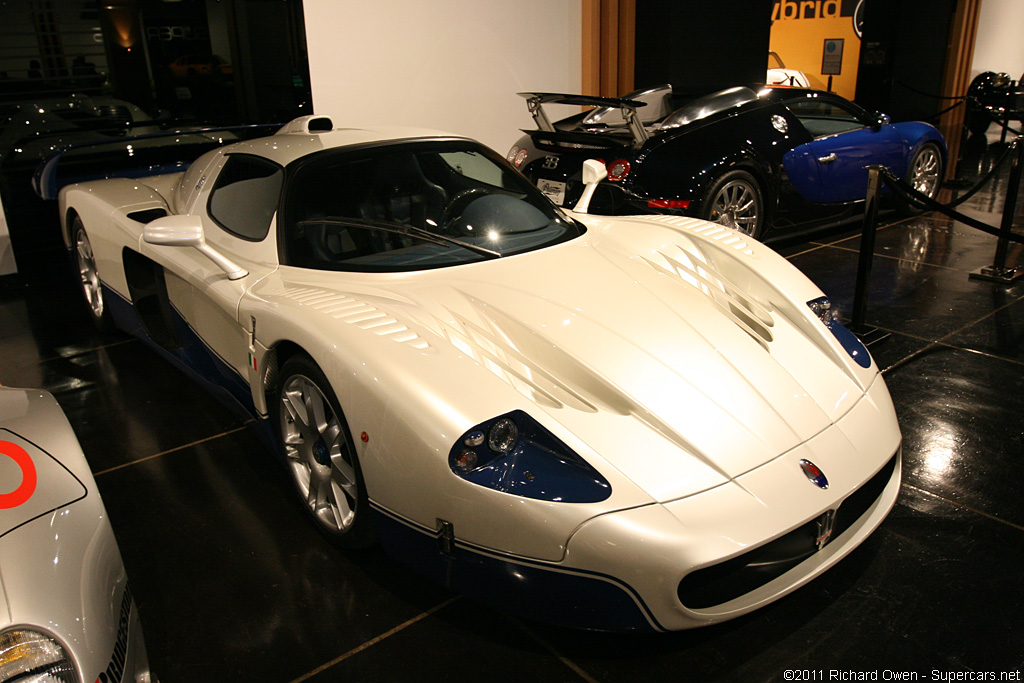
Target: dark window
[[245, 196], [412, 206], [824, 117]]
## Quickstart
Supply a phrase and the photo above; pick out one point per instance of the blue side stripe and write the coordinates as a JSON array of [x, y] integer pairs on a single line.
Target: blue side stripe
[[529, 588], [197, 360]]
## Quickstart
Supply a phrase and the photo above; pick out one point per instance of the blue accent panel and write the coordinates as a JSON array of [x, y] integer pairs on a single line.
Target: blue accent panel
[[802, 170], [124, 315], [538, 466], [851, 343], [846, 178], [822, 308], [197, 360], [529, 589], [917, 133]]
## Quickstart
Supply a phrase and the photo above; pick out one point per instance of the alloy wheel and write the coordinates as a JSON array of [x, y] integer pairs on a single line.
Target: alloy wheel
[[318, 454], [88, 274], [736, 206], [924, 175]]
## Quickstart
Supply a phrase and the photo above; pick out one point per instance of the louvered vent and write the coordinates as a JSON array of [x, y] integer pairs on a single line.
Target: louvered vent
[[749, 315], [355, 312], [714, 231]]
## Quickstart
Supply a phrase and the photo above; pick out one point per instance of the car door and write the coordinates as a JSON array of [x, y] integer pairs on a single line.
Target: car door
[[237, 207], [831, 168]]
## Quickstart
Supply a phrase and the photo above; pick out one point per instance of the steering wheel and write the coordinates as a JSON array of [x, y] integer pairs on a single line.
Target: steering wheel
[[454, 208]]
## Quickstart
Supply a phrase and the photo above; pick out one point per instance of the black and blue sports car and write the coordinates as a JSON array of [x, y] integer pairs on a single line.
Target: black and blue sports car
[[766, 162]]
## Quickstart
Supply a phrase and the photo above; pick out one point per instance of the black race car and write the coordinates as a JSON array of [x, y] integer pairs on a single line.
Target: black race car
[[762, 161]]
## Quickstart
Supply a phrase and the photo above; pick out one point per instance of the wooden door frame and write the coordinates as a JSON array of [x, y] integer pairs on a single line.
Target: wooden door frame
[[609, 47]]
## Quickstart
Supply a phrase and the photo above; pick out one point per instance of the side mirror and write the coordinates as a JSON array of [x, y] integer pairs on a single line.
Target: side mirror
[[879, 119], [175, 231], [593, 173], [187, 231]]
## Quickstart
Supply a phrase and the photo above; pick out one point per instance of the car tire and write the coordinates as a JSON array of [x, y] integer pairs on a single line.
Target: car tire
[[924, 174], [89, 277], [320, 455], [735, 200]]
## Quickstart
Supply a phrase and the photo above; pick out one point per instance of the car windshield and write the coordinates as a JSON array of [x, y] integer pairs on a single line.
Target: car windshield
[[413, 206]]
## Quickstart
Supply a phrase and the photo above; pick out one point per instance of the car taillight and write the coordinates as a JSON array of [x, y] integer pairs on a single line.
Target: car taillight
[[520, 158], [617, 170], [668, 203]]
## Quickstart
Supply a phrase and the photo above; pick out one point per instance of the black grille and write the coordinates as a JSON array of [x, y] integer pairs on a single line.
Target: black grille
[[730, 579]]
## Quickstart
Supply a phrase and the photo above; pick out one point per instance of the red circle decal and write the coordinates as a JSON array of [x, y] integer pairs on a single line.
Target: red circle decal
[[28, 476]]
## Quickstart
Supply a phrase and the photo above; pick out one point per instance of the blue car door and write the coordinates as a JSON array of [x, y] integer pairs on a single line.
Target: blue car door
[[830, 168]]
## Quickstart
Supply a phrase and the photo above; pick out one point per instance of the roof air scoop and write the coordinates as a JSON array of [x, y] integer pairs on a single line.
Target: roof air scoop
[[308, 124]]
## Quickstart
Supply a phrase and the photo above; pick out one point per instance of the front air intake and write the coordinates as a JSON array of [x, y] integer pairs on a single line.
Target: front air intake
[[729, 580], [320, 124]]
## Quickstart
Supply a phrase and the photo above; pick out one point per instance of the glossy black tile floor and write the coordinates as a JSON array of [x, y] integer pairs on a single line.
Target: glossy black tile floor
[[233, 583]]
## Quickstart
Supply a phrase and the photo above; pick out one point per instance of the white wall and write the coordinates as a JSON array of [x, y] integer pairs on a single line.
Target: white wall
[[999, 46], [7, 264], [454, 65]]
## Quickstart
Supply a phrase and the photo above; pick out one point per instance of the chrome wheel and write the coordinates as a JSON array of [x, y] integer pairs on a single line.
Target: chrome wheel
[[319, 455], [89, 276], [925, 171], [736, 204]]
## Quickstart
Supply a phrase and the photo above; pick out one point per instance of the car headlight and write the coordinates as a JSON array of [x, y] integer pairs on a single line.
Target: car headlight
[[822, 308], [515, 454], [30, 656]]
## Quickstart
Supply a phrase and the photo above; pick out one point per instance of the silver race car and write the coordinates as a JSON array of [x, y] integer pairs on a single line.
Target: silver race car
[[66, 609]]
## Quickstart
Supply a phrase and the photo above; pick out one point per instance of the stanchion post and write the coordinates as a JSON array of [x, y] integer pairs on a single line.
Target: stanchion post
[[867, 248], [958, 178], [998, 272], [1009, 207]]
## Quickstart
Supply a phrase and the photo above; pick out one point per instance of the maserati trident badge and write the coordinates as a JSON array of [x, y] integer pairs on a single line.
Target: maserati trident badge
[[814, 473]]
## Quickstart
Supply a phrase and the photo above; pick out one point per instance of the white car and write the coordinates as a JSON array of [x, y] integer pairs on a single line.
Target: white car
[[66, 608], [611, 423], [778, 74]]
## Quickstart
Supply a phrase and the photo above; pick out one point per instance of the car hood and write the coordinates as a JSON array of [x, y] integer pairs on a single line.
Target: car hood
[[680, 360], [32, 427], [33, 482]]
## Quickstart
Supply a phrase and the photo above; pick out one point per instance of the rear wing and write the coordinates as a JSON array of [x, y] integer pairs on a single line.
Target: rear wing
[[535, 101], [125, 157]]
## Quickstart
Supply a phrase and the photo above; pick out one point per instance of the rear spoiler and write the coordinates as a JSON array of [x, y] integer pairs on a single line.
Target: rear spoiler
[[47, 185], [535, 101]]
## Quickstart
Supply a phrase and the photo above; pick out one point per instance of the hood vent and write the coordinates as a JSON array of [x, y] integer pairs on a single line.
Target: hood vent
[[547, 374], [719, 233], [494, 350], [749, 315]]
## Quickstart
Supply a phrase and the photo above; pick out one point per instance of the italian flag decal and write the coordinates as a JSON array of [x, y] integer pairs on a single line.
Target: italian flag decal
[[252, 362]]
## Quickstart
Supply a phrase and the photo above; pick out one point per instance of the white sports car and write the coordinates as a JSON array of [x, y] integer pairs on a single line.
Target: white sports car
[[66, 610], [778, 74], [610, 423]]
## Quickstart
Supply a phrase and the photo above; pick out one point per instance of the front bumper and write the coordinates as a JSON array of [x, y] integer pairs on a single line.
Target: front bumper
[[737, 547]]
